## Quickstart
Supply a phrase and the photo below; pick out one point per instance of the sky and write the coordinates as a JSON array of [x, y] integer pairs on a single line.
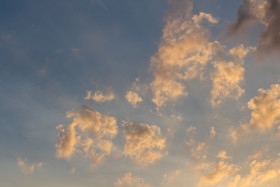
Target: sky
[[140, 93]]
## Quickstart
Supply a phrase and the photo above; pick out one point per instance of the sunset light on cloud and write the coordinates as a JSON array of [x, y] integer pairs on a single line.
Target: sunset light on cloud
[[140, 93]]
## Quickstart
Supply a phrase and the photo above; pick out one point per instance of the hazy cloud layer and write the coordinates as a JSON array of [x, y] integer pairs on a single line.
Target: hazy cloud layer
[[89, 134], [144, 142]]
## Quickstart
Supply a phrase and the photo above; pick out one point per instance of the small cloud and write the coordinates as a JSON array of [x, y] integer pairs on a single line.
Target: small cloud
[[99, 97], [212, 132], [133, 98], [223, 155], [73, 170], [28, 168], [143, 142], [130, 181]]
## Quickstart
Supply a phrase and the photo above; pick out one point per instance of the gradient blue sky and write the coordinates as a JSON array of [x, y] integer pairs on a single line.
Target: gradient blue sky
[[53, 52]]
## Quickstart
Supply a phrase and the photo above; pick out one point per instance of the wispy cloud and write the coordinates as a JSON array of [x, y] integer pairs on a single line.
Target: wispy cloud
[[27, 168], [100, 97], [129, 180]]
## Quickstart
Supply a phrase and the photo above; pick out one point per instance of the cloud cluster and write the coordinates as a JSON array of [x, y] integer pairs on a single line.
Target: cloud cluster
[[89, 133], [228, 75], [183, 53], [266, 12], [143, 142], [133, 98], [129, 181], [100, 97], [28, 168]]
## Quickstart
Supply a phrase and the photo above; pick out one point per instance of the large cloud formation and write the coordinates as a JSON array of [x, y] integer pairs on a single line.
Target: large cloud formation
[[266, 12], [89, 133], [183, 52], [143, 142]]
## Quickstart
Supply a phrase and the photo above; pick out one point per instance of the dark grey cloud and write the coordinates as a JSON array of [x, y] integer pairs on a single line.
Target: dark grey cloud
[[266, 12]]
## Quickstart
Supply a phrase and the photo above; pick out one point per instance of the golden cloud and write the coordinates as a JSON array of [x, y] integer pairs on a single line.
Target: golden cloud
[[89, 133], [143, 142]]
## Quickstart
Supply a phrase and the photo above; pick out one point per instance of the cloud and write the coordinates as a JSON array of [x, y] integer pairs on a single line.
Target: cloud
[[89, 134], [223, 155], [266, 108], [212, 132], [221, 172], [266, 12], [28, 168], [133, 98], [129, 181], [170, 180], [265, 114], [99, 96], [228, 75], [143, 142], [261, 174], [183, 52]]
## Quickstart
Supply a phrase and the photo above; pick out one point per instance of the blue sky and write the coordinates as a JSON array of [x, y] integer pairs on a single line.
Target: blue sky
[[173, 84]]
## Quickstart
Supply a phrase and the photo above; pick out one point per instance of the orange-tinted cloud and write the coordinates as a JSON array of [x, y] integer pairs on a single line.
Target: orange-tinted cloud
[[89, 133], [183, 53], [133, 98], [143, 142], [130, 181], [28, 168], [99, 96]]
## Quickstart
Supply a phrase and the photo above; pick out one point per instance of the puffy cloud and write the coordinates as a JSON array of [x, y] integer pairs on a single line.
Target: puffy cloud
[[28, 168], [265, 114], [221, 172], [266, 108], [223, 155], [143, 142], [99, 96], [228, 75], [183, 53], [266, 12], [89, 133], [129, 181], [133, 98]]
